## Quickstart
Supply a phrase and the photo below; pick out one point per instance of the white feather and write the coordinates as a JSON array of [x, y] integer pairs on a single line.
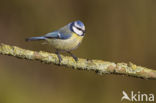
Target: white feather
[[77, 25], [83, 27], [77, 31]]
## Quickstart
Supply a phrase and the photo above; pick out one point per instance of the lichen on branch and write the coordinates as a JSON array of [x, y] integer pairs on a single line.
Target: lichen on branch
[[99, 66]]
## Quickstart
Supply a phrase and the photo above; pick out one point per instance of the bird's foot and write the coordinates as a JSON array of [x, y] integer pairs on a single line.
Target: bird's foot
[[59, 57], [74, 57]]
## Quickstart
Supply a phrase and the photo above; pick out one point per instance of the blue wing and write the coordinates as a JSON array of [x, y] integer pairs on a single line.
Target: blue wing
[[63, 33], [58, 35]]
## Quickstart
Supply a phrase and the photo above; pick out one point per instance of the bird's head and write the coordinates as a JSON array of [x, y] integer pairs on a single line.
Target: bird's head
[[78, 27]]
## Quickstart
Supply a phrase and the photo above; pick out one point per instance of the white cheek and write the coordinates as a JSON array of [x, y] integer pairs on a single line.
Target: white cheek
[[79, 32], [83, 28]]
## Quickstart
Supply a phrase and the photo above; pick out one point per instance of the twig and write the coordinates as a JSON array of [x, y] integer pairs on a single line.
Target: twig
[[99, 66]]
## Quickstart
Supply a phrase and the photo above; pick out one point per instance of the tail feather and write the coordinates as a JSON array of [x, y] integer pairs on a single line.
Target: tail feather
[[35, 38]]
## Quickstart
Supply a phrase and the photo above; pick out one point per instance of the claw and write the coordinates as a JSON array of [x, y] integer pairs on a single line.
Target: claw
[[74, 57]]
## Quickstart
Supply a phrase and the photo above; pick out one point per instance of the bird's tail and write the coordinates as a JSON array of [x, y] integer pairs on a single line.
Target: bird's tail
[[35, 38]]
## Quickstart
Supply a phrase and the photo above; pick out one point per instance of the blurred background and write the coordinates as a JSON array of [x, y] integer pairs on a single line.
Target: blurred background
[[117, 31]]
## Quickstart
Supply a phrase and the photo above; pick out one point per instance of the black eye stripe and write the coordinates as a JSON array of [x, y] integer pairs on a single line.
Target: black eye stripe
[[79, 29]]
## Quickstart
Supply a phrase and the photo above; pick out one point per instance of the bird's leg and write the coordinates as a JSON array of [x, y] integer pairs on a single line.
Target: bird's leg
[[74, 57], [59, 56]]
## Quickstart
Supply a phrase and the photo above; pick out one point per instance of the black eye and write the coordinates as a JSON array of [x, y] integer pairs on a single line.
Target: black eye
[[79, 29]]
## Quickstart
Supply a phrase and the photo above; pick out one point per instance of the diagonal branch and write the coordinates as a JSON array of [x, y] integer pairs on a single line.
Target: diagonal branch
[[99, 66]]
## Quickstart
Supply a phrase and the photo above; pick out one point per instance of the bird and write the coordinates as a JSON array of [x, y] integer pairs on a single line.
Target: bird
[[66, 39]]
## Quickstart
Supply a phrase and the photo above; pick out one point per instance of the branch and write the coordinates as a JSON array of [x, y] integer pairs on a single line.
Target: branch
[[99, 66]]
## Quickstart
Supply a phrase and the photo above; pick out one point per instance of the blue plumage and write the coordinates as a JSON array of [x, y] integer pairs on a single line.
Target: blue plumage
[[36, 38], [66, 38], [52, 35], [80, 23], [58, 35]]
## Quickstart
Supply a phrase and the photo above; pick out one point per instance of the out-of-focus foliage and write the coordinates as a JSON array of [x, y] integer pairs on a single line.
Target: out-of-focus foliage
[[117, 30]]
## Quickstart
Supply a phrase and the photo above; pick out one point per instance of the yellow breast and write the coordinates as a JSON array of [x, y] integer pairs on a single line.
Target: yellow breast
[[66, 44]]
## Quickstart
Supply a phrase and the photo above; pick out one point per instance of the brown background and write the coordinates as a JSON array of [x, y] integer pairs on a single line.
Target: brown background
[[117, 30]]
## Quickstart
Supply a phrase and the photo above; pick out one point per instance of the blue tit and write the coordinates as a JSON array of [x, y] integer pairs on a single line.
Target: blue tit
[[66, 38]]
